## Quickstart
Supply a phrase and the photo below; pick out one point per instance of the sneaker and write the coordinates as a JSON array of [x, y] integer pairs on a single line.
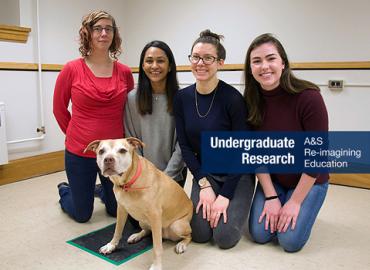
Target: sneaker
[[98, 190], [63, 188], [62, 185]]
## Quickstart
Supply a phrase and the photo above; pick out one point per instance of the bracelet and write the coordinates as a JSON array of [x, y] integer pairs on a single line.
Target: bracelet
[[271, 198], [205, 187]]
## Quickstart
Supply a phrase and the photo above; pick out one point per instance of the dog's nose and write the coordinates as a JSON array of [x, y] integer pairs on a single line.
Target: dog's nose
[[108, 160]]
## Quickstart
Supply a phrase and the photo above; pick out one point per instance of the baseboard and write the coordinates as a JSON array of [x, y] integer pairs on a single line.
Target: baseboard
[[24, 168], [352, 180]]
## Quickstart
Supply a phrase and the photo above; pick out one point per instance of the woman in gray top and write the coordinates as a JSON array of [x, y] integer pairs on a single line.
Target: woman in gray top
[[149, 110]]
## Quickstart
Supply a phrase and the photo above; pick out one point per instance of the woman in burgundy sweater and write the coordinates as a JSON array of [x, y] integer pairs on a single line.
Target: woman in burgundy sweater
[[97, 86], [285, 205]]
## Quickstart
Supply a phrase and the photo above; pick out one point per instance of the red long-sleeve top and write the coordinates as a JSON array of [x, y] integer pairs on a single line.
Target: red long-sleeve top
[[97, 104]]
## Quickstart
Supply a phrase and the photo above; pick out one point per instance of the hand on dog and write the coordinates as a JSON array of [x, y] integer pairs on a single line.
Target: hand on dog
[[206, 198], [219, 207]]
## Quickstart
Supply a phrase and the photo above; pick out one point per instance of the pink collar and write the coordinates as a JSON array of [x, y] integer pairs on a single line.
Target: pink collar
[[127, 186]]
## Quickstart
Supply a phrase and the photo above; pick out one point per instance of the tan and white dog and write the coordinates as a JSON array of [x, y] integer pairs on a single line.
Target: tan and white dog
[[147, 194]]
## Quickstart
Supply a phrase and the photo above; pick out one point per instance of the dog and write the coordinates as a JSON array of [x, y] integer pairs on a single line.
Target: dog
[[150, 196]]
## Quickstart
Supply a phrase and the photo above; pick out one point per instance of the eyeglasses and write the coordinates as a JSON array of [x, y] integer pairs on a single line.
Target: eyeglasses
[[99, 29], [207, 60]]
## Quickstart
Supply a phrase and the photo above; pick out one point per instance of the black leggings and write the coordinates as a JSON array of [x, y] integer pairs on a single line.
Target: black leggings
[[224, 235]]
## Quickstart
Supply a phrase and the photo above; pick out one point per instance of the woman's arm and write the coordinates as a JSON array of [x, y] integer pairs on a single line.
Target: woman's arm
[[207, 195], [290, 211], [132, 119], [175, 164], [187, 152], [237, 115], [314, 116], [62, 97], [272, 207]]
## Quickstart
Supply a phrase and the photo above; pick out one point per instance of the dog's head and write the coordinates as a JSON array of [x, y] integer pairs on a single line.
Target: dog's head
[[114, 157]]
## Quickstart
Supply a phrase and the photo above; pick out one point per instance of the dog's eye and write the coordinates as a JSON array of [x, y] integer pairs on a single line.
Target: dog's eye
[[122, 151], [101, 152]]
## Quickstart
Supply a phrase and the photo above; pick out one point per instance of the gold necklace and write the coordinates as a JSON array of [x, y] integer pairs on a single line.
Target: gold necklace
[[210, 106]]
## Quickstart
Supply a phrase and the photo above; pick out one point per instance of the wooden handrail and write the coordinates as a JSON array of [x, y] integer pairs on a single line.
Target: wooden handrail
[[364, 65], [14, 33], [29, 66]]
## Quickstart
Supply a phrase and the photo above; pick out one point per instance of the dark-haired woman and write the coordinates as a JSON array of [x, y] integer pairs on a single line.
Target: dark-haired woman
[[222, 201], [149, 110], [97, 85], [285, 205]]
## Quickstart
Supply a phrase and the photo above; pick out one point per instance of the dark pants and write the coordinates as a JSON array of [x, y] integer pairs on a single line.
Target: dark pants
[[77, 200], [224, 235]]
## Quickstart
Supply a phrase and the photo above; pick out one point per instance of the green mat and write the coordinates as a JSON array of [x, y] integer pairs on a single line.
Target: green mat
[[92, 241]]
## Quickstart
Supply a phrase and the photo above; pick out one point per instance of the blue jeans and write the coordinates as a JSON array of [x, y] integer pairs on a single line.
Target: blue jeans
[[291, 240], [77, 200]]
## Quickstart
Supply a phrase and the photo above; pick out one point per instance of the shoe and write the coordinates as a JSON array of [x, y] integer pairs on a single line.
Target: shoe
[[62, 185], [63, 188], [98, 190]]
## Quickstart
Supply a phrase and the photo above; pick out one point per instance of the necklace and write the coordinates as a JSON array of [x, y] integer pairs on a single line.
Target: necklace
[[210, 106], [157, 97]]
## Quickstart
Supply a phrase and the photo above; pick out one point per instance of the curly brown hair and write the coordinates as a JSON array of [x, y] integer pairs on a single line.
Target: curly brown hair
[[85, 32]]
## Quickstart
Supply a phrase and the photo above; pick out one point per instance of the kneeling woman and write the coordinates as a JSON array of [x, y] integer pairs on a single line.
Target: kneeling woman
[[221, 201], [284, 205]]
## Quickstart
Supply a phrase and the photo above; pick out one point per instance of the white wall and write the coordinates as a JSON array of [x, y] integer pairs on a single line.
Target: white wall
[[314, 30], [9, 12], [310, 30]]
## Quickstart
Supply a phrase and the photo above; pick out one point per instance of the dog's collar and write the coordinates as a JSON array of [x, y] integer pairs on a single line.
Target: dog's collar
[[127, 186]]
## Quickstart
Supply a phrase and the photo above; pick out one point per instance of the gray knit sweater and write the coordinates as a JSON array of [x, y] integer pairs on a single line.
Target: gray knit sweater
[[157, 131]]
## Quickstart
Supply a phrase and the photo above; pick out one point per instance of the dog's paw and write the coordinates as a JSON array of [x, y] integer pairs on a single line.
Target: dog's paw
[[180, 247], [108, 248], [134, 238]]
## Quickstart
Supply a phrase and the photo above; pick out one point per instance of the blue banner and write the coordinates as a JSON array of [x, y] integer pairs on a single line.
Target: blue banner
[[285, 152]]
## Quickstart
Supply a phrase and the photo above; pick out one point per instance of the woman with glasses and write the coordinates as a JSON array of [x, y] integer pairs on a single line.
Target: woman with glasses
[[97, 86], [221, 201], [285, 206], [149, 110]]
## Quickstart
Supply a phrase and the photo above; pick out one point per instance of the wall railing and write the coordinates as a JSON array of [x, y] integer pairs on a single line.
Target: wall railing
[[359, 65]]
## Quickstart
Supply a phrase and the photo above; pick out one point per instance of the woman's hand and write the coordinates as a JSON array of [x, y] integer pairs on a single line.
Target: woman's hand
[[219, 207], [290, 211], [206, 198], [271, 211], [288, 214]]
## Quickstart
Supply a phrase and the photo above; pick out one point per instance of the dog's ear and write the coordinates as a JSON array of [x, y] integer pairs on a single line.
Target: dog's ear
[[92, 146], [135, 142]]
